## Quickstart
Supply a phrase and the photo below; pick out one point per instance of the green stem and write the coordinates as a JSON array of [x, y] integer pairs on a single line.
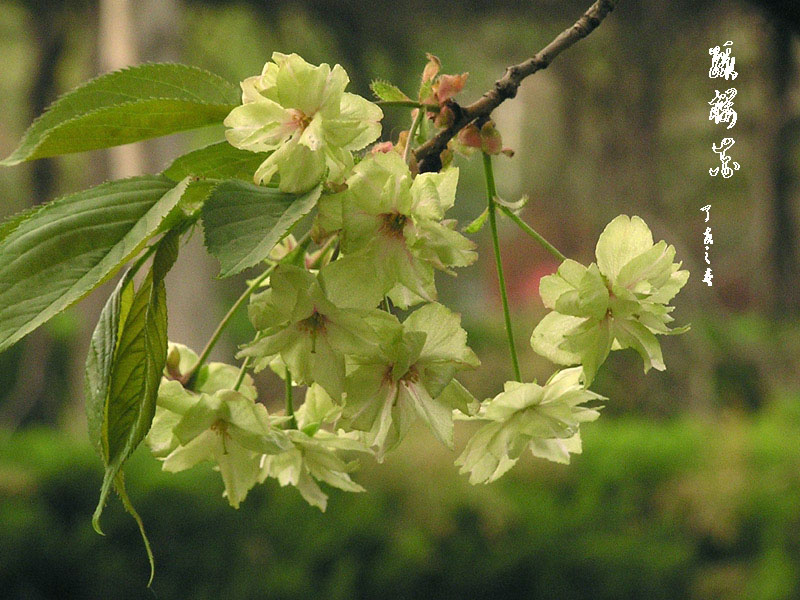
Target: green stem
[[532, 232], [409, 104], [289, 401], [242, 372], [189, 376], [411, 133], [491, 192]]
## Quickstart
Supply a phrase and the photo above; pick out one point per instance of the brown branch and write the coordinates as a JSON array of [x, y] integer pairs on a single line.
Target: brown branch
[[506, 87]]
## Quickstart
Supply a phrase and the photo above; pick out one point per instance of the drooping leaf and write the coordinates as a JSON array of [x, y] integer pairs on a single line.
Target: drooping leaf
[[130, 377], [125, 106], [476, 225], [67, 248], [388, 92], [243, 222], [100, 359], [217, 161]]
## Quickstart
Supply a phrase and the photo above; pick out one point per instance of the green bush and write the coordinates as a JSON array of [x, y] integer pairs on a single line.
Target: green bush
[[671, 510]]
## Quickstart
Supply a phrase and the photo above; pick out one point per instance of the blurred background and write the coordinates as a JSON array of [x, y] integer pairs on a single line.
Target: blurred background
[[689, 485]]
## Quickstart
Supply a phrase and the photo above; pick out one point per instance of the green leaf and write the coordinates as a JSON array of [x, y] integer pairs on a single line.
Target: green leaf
[[217, 161], [129, 374], [388, 92], [100, 358], [126, 106], [67, 248], [476, 225], [243, 222]]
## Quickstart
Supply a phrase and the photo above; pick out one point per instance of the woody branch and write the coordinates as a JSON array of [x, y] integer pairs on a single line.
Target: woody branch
[[506, 87]]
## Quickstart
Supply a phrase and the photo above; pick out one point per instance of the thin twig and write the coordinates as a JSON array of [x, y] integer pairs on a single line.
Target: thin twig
[[506, 87], [491, 193], [532, 232]]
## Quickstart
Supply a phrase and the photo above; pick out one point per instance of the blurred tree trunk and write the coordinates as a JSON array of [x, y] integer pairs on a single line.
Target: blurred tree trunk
[[783, 251]]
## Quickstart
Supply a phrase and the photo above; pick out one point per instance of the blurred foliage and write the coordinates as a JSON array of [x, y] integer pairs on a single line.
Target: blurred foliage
[[682, 509]]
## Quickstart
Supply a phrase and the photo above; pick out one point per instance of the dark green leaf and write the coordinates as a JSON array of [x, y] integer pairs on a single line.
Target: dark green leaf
[[67, 248], [243, 222], [125, 106], [217, 161]]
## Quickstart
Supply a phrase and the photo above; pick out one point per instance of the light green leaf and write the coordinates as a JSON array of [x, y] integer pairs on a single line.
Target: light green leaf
[[66, 249], [476, 225], [131, 384], [217, 161], [125, 106], [388, 92], [243, 222]]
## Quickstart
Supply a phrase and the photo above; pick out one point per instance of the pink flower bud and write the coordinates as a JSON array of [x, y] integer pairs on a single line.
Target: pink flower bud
[[447, 86], [383, 147], [445, 117], [491, 141], [470, 136]]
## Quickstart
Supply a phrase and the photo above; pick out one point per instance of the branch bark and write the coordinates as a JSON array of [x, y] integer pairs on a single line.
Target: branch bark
[[427, 155]]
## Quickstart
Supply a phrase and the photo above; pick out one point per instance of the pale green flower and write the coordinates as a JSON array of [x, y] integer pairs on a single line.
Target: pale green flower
[[213, 423], [312, 336], [314, 453], [545, 419], [410, 375], [619, 302], [393, 234], [302, 115]]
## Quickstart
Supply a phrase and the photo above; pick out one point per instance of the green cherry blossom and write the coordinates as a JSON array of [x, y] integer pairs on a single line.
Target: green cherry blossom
[[302, 115], [298, 322], [618, 302], [314, 452], [545, 419], [393, 233], [410, 376]]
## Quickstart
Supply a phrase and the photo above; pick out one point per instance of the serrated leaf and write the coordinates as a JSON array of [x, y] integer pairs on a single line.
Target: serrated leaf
[[243, 222], [217, 161], [130, 376], [388, 92], [477, 224], [125, 106], [66, 249]]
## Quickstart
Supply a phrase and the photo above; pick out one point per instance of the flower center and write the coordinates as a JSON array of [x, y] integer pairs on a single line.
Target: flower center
[[314, 324], [393, 224], [299, 119]]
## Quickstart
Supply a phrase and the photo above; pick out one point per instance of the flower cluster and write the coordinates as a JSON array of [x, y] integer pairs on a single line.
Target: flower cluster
[[324, 319]]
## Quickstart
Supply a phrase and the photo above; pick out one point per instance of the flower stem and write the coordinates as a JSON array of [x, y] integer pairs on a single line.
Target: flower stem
[[189, 376], [491, 192], [409, 104], [242, 372], [532, 232], [411, 133], [289, 401]]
